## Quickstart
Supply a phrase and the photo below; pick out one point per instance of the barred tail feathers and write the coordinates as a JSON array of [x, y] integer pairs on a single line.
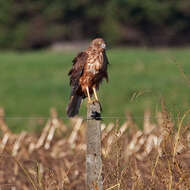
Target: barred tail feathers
[[74, 105]]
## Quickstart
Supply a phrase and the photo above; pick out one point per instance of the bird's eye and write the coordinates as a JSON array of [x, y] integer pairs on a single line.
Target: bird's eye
[[103, 45]]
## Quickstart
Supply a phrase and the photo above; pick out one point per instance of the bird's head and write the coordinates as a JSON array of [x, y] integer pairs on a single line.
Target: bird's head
[[98, 44]]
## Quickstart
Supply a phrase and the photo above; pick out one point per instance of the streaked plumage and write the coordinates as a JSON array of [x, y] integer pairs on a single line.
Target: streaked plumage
[[88, 70]]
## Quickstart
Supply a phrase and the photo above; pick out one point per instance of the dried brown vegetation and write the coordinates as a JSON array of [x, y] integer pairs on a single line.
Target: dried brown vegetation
[[157, 157]]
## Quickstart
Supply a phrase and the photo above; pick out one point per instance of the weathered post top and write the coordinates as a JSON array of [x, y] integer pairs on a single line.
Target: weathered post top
[[94, 111], [93, 155]]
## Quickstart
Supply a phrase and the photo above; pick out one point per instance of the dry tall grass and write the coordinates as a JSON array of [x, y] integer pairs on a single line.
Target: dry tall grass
[[156, 158]]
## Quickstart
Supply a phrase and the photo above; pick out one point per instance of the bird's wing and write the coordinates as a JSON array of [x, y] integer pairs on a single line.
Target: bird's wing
[[106, 59], [77, 69], [106, 62]]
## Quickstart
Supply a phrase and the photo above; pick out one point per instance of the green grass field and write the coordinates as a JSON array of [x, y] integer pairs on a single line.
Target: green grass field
[[31, 83]]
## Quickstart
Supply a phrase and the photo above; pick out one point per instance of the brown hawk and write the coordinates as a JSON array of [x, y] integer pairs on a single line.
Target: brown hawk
[[88, 70]]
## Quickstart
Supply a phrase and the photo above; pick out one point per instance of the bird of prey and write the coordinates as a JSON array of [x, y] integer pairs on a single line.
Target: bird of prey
[[88, 70]]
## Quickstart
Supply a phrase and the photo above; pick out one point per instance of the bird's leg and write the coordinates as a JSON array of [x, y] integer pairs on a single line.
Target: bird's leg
[[88, 94], [96, 97], [95, 94]]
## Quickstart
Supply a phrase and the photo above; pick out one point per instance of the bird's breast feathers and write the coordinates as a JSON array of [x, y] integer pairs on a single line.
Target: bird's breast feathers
[[94, 63]]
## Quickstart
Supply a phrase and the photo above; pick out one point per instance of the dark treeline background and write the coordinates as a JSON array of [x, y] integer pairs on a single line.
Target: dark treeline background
[[26, 24]]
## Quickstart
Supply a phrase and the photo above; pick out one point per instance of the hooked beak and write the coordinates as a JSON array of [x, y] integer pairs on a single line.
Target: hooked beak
[[103, 46]]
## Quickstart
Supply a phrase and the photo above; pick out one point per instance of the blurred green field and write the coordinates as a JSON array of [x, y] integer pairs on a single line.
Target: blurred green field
[[33, 82]]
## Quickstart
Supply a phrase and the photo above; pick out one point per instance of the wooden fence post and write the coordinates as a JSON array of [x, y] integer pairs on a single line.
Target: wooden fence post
[[93, 155]]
